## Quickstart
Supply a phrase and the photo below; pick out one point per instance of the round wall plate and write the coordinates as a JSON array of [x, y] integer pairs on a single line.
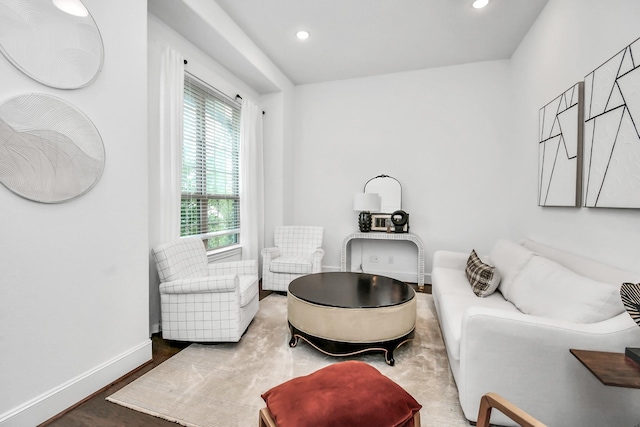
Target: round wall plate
[[50, 152], [53, 47]]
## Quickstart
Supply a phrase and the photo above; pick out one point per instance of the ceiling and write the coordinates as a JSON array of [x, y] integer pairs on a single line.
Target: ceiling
[[357, 38]]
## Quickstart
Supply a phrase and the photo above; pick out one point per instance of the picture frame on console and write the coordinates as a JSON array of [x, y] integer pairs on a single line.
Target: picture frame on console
[[380, 222]]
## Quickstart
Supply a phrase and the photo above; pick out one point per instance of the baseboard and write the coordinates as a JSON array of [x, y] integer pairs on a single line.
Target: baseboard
[[51, 403], [404, 276]]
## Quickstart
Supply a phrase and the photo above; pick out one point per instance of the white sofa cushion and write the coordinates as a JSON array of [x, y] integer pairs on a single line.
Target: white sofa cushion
[[453, 308], [484, 278], [454, 281], [547, 289], [508, 258]]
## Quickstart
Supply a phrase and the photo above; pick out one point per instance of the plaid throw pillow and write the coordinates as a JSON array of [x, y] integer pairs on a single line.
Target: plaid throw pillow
[[484, 278]]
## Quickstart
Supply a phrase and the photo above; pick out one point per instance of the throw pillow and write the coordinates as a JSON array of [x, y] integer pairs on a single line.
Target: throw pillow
[[630, 295], [547, 289], [343, 394], [484, 278], [509, 258]]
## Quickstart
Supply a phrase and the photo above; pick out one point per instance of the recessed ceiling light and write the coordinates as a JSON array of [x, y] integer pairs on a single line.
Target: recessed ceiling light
[[72, 7], [302, 35], [479, 4]]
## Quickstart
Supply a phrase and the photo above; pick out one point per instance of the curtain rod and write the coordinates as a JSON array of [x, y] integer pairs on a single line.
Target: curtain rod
[[237, 95]]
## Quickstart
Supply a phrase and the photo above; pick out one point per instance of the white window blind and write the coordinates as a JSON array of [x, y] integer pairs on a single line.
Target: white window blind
[[210, 205]]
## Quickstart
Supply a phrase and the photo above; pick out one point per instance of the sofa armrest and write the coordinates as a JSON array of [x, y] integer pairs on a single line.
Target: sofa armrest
[[449, 259], [241, 268], [200, 285], [527, 358]]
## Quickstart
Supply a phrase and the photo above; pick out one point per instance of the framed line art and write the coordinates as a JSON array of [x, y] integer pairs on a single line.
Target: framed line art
[[560, 136], [612, 132]]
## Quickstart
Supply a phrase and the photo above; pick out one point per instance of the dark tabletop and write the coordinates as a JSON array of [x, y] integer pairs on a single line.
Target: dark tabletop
[[351, 290]]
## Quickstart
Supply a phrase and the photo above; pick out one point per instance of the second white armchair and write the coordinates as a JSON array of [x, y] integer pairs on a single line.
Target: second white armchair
[[297, 252]]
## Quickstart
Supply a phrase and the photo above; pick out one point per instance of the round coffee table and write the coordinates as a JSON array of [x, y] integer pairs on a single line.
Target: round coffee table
[[344, 313]]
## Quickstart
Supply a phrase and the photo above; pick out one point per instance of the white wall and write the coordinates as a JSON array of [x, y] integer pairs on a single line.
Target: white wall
[[440, 132], [73, 276], [569, 40]]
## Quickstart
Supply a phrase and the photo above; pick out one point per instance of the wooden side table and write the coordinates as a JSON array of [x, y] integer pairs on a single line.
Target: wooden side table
[[612, 369]]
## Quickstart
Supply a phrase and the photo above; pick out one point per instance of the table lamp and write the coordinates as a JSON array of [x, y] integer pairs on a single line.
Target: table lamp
[[366, 203], [630, 295]]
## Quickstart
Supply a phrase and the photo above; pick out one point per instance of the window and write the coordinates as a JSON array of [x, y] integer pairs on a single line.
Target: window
[[210, 202]]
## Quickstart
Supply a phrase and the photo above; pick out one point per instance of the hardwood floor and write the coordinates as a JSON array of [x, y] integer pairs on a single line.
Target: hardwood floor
[[96, 411]]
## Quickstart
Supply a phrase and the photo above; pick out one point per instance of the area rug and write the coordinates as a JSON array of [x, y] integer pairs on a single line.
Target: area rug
[[219, 385]]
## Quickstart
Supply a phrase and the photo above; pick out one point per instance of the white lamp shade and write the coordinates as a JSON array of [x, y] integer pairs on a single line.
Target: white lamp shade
[[367, 202]]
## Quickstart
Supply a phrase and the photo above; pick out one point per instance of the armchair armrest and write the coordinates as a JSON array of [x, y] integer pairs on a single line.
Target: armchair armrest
[[270, 253], [241, 268], [316, 260], [199, 285]]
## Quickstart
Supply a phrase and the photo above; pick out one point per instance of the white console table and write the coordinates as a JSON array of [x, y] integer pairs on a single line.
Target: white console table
[[345, 255]]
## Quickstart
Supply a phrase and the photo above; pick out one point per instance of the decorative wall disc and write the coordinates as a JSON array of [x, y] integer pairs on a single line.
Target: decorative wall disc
[[50, 151], [56, 48], [630, 294]]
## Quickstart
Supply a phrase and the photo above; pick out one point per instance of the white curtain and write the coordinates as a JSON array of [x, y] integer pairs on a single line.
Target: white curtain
[[171, 101], [167, 168], [251, 181]]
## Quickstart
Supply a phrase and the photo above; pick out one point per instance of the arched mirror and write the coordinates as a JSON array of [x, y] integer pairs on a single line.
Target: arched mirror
[[390, 191]]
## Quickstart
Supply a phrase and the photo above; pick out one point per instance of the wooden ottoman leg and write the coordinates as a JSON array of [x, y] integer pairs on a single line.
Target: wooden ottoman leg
[[266, 420], [416, 419]]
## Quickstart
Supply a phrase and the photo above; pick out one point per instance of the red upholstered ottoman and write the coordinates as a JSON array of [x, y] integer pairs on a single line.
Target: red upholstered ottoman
[[345, 394]]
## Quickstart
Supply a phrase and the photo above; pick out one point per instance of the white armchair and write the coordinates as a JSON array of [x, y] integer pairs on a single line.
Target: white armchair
[[201, 301], [297, 252]]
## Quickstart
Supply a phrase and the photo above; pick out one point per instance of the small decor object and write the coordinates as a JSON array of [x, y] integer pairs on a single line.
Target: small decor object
[[612, 129], [560, 149], [364, 221], [366, 203], [381, 222], [484, 278], [50, 151], [630, 295], [56, 43], [400, 220]]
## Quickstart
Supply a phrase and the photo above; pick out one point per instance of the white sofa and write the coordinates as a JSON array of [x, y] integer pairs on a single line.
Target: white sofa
[[493, 346]]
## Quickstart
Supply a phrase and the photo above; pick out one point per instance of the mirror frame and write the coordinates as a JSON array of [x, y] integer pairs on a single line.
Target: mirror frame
[[388, 195]]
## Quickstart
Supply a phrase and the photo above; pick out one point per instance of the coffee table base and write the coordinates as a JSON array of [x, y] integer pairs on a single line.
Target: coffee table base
[[341, 348]]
